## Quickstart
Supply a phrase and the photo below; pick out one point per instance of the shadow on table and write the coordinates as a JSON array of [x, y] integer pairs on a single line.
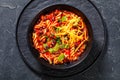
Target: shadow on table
[[92, 73]]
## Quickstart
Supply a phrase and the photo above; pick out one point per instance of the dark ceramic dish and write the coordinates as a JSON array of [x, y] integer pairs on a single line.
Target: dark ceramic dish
[[48, 10], [96, 27]]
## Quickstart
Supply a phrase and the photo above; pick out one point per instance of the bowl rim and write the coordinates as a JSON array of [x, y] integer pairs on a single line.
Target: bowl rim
[[90, 33]]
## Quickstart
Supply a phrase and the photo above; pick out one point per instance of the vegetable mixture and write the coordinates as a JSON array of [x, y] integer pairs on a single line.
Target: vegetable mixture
[[60, 36]]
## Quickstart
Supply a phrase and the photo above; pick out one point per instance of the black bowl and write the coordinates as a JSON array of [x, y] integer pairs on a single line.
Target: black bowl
[[48, 10]]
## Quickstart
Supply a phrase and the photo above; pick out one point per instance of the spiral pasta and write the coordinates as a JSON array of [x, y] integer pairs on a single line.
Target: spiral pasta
[[60, 36]]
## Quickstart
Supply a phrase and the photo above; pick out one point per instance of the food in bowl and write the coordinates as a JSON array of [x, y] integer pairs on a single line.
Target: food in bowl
[[60, 36]]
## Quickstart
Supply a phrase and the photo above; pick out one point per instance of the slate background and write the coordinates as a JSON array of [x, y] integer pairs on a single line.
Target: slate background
[[12, 66]]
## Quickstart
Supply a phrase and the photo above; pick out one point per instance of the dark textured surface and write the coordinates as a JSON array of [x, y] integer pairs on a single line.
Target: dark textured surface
[[12, 66], [25, 24]]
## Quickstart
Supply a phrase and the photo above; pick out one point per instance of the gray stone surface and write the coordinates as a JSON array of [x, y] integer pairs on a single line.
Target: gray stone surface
[[12, 66]]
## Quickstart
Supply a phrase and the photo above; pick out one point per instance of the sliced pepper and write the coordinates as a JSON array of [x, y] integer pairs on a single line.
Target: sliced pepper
[[64, 18], [57, 29], [61, 57], [44, 45], [51, 50], [54, 49], [64, 46]]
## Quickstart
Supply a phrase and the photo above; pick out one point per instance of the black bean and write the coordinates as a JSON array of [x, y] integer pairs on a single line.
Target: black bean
[[45, 18], [53, 43], [53, 19], [38, 22], [44, 40], [41, 32], [40, 28], [51, 46], [43, 27], [74, 27], [79, 34]]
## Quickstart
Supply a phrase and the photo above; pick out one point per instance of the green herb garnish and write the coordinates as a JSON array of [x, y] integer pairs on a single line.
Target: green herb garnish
[[58, 40], [59, 20]]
